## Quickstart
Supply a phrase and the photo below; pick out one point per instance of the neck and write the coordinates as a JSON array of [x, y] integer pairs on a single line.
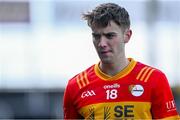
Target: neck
[[114, 68]]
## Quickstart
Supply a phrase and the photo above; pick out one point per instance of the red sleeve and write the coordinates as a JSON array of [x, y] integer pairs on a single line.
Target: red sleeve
[[70, 111], [163, 104]]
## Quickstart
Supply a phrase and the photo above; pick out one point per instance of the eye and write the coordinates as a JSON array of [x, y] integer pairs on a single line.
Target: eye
[[109, 35], [96, 36]]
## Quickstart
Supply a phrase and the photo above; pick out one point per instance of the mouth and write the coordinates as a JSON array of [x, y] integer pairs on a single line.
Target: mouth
[[105, 52]]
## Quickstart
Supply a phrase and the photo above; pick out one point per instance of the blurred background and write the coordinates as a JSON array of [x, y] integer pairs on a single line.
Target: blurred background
[[43, 43]]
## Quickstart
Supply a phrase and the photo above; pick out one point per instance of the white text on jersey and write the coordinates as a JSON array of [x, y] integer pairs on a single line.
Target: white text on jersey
[[88, 93]]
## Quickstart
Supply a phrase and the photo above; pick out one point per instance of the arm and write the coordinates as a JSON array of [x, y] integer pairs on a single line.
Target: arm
[[163, 104], [70, 111]]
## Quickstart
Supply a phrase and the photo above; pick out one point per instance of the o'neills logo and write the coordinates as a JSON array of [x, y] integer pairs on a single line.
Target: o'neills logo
[[115, 85], [136, 90]]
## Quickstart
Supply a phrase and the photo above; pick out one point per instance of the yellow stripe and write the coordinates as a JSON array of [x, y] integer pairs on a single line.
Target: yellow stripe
[[85, 77], [82, 80], [149, 75], [78, 82], [113, 110], [142, 70], [144, 74], [172, 118]]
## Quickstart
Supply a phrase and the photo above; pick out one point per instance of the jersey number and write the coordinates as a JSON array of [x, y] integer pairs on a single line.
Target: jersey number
[[111, 94]]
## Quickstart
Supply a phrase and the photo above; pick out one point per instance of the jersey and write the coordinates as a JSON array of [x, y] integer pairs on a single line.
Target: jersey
[[137, 92]]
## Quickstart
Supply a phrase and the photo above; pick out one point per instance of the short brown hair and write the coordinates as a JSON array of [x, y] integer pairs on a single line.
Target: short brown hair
[[104, 13]]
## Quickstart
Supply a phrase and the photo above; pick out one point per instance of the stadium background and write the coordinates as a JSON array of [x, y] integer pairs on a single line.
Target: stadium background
[[43, 43]]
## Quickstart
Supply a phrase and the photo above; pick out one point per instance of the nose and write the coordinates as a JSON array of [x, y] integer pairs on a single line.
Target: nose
[[102, 41]]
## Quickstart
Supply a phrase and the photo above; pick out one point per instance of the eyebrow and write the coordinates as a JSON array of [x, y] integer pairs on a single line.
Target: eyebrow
[[113, 33], [110, 33]]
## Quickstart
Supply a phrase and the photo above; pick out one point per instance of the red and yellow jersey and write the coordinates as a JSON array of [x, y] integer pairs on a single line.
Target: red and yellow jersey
[[137, 92]]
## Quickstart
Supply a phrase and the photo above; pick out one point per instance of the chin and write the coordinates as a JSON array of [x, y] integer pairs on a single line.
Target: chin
[[106, 61]]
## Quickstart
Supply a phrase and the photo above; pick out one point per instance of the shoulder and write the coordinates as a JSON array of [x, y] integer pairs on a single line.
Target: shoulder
[[81, 77], [144, 67], [146, 72]]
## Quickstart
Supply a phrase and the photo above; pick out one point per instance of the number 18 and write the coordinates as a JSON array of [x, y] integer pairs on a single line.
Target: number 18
[[111, 94]]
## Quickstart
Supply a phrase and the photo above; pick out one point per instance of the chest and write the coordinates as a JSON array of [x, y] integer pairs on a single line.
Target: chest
[[113, 91]]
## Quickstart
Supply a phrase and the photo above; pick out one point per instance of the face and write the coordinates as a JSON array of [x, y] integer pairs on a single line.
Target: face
[[110, 42]]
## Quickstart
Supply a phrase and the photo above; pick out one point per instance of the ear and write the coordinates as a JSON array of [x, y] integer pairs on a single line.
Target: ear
[[127, 35]]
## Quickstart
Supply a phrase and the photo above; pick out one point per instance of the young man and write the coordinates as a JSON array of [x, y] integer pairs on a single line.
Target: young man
[[117, 87]]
